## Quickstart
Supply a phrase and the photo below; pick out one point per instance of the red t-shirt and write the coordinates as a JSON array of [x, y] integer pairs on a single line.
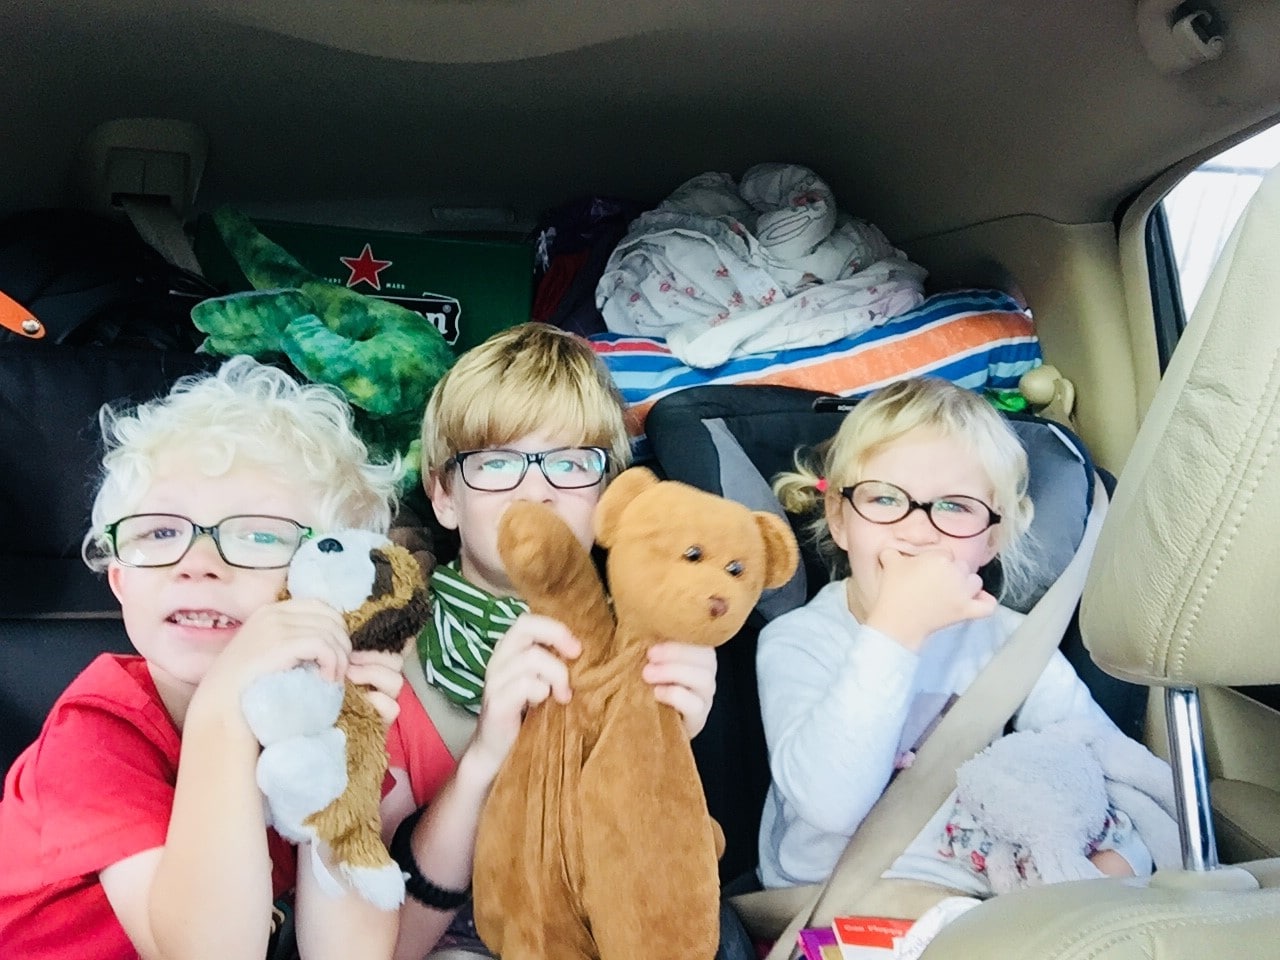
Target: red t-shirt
[[97, 786], [415, 747]]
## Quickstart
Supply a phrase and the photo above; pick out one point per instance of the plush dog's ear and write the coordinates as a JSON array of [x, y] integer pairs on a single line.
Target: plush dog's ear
[[628, 485], [781, 554], [410, 532]]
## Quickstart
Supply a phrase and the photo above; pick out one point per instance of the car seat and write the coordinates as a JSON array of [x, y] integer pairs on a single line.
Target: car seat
[[56, 615], [1182, 597], [732, 440]]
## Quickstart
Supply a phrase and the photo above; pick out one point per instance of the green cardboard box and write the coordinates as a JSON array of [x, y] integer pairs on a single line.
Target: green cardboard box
[[468, 287]]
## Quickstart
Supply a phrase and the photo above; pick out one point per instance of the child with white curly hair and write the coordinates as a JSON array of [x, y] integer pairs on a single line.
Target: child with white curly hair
[[133, 826]]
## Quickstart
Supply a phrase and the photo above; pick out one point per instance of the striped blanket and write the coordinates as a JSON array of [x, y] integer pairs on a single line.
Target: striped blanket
[[981, 339]]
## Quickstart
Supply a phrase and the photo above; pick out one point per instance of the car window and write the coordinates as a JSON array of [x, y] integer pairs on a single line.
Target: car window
[[1203, 209]]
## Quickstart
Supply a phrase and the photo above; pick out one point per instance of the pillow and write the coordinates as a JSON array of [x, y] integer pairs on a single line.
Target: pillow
[[981, 339]]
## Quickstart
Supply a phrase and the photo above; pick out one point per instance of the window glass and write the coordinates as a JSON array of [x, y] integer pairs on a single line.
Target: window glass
[[1203, 209]]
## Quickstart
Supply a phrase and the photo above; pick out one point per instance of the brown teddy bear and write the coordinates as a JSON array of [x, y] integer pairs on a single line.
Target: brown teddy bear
[[595, 841], [324, 745]]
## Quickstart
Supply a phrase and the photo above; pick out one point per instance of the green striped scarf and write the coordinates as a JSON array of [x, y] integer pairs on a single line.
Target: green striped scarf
[[457, 642]]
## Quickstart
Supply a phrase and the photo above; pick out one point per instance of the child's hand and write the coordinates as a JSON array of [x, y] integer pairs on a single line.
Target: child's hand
[[278, 637], [1111, 863], [380, 674], [923, 593], [683, 676], [527, 666]]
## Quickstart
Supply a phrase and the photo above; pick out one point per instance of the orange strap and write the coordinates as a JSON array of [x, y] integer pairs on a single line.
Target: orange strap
[[18, 319]]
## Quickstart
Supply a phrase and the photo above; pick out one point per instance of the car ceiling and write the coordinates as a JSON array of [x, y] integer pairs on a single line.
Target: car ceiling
[[924, 115]]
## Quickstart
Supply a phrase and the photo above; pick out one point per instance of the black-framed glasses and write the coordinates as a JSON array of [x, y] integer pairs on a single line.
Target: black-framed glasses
[[955, 516], [245, 540], [567, 468]]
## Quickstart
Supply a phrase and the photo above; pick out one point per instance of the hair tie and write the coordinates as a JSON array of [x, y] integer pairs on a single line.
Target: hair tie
[[820, 484]]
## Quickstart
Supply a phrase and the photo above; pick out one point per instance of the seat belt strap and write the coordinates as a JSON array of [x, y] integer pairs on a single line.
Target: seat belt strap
[[976, 718], [158, 224], [454, 723]]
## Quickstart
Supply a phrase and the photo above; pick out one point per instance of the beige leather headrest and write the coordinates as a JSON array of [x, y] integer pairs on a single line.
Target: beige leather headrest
[[1185, 586]]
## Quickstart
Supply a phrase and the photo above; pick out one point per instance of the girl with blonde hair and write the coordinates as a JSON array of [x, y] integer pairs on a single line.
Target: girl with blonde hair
[[923, 485]]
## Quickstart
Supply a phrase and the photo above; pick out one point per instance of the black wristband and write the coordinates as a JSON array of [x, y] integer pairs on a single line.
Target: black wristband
[[418, 886]]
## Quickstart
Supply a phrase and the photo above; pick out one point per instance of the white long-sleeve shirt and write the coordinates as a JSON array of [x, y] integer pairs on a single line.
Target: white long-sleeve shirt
[[841, 702]]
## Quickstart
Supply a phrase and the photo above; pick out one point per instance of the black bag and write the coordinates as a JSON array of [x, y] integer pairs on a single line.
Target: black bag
[[91, 280]]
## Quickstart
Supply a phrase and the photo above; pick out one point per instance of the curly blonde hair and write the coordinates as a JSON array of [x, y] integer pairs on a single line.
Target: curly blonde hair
[[245, 413], [888, 415]]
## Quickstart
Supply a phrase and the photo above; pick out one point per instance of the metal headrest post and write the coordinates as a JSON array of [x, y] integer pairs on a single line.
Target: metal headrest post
[[1190, 778]]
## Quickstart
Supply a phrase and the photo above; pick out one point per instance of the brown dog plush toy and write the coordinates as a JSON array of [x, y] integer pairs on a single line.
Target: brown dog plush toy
[[595, 841], [324, 745]]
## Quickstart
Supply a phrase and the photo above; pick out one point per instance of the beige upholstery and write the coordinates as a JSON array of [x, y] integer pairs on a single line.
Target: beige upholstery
[[1114, 920], [1247, 818], [1184, 592]]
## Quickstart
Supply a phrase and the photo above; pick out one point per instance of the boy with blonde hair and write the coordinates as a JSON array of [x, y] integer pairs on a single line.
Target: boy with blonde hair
[[530, 414], [134, 825]]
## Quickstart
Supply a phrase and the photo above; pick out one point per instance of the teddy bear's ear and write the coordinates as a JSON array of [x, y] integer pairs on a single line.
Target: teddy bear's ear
[[780, 550], [628, 485]]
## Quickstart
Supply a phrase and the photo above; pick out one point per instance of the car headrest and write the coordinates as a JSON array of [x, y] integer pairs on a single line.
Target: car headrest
[[1183, 591], [733, 439]]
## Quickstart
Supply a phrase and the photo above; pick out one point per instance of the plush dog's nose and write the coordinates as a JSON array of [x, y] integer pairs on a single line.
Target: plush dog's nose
[[718, 607], [329, 545]]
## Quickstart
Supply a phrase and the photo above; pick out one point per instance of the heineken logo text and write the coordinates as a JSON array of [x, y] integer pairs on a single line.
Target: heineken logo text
[[443, 312]]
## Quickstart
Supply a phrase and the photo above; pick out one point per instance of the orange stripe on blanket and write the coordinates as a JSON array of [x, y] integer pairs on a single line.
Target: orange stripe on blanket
[[913, 352], [918, 349]]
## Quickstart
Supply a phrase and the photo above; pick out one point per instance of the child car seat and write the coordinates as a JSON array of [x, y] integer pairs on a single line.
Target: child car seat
[[732, 440], [55, 614]]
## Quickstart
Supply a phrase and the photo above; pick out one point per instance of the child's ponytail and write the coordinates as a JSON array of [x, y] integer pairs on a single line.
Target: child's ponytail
[[803, 492], [800, 490]]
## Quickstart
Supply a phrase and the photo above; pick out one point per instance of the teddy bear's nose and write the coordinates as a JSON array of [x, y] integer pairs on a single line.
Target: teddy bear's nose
[[329, 545], [718, 607]]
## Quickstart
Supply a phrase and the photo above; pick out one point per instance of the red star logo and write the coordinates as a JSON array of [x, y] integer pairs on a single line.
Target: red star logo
[[365, 268]]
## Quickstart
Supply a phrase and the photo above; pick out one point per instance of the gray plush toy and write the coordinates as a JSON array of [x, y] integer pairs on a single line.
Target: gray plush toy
[[1046, 794]]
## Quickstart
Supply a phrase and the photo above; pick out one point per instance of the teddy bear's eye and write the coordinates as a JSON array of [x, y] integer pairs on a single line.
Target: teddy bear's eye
[[734, 568], [693, 554]]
